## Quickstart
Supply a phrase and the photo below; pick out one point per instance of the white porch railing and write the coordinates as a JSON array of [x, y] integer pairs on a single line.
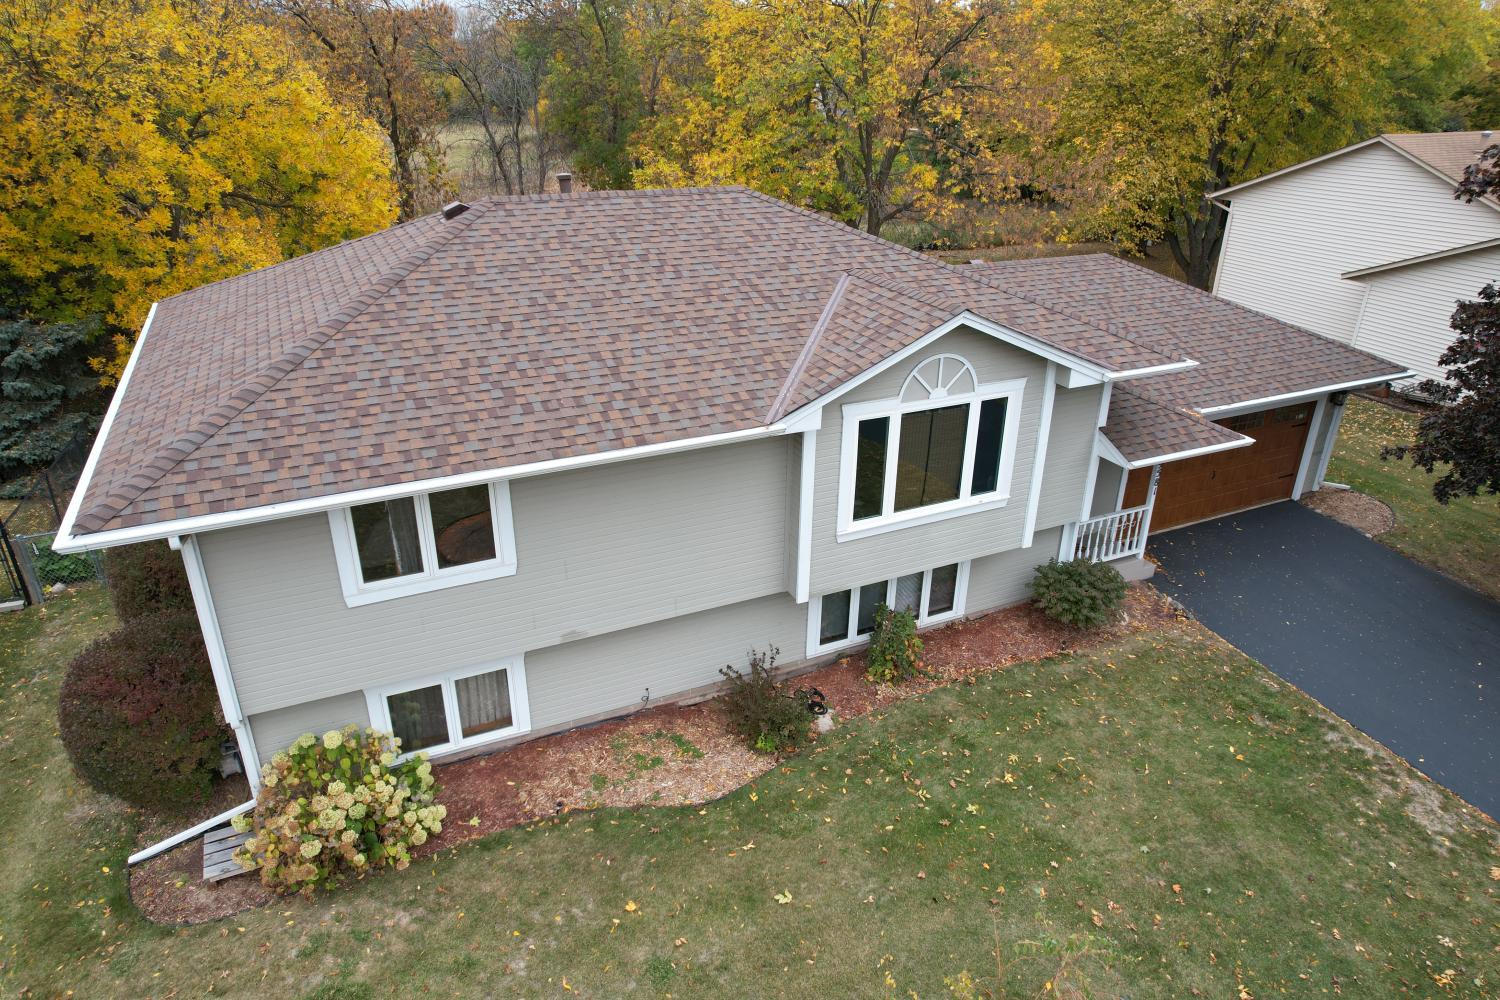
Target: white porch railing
[[1112, 536]]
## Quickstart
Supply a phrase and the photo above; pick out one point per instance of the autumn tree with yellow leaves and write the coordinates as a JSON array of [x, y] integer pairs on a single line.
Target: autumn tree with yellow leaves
[[155, 145], [871, 110]]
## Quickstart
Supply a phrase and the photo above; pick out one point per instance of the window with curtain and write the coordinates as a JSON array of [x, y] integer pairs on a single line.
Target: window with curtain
[[462, 708]]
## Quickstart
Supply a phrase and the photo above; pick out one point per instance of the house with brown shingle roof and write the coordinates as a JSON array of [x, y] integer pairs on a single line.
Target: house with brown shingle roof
[[543, 460], [1365, 245]]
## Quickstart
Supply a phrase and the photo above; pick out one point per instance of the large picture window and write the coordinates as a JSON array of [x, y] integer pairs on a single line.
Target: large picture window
[[844, 618], [460, 709], [945, 445], [406, 545]]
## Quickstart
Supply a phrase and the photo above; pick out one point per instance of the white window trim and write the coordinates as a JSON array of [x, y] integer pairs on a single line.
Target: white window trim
[[1012, 390], [520, 707], [358, 592], [815, 609]]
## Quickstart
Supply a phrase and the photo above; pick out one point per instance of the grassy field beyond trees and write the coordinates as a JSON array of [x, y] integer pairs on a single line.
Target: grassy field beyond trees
[[1161, 818]]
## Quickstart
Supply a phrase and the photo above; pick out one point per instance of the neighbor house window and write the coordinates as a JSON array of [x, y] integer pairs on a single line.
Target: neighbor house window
[[945, 445], [457, 710], [406, 545], [844, 617]]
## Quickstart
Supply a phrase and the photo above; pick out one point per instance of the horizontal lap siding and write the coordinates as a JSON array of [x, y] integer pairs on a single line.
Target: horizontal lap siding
[[1070, 450], [836, 565], [598, 549], [1004, 578], [275, 730], [1407, 315], [1291, 238], [611, 673]]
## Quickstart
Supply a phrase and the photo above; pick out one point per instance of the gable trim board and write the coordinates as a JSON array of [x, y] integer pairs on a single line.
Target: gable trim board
[[1422, 258], [1379, 140]]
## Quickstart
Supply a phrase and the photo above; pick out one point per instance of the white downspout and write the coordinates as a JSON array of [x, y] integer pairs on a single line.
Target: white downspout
[[218, 656]]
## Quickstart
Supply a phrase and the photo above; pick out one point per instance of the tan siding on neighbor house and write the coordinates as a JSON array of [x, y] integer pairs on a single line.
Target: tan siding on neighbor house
[[1408, 311], [1291, 238], [598, 550]]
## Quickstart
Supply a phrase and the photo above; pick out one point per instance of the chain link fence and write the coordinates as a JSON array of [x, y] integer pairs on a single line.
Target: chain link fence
[[30, 572]]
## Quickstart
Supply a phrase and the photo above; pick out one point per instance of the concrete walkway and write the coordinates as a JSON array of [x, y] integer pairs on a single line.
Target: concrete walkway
[[1402, 652]]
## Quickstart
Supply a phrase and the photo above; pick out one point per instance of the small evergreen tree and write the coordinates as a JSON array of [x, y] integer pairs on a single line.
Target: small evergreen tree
[[47, 391], [1463, 432]]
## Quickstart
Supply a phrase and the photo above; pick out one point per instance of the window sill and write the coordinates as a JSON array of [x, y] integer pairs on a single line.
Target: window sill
[[913, 518], [422, 585], [442, 750]]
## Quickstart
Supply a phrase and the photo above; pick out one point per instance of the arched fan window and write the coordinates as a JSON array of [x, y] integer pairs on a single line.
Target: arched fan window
[[938, 378]]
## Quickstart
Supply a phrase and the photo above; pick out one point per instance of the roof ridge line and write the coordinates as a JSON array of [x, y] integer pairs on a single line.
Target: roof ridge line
[[954, 268], [809, 346], [248, 392]]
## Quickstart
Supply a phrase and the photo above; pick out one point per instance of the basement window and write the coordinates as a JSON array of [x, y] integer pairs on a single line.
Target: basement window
[[456, 710], [407, 545], [846, 617]]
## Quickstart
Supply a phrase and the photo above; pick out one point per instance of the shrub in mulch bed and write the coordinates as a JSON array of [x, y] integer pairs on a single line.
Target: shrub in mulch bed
[[674, 755]]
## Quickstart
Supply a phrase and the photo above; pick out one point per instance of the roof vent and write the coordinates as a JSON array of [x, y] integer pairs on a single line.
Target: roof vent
[[564, 182], [1487, 133], [454, 209]]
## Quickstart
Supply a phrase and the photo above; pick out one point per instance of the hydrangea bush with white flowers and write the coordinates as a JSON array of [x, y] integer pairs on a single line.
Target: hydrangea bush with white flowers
[[339, 805]]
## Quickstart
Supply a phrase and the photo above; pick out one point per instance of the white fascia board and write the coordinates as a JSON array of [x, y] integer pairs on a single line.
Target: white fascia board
[[314, 505], [1171, 366], [64, 541], [1109, 452], [1299, 396], [1216, 196], [1177, 456]]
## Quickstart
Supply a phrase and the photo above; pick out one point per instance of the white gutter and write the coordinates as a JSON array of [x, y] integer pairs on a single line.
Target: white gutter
[[162, 846], [1173, 366], [65, 530], [1177, 456], [1300, 395], [210, 522]]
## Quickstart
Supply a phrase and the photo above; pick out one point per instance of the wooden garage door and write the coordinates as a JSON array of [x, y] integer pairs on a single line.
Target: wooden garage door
[[1226, 481]]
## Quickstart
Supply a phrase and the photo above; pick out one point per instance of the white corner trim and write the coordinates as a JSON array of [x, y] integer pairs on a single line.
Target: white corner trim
[[1332, 439], [63, 541], [218, 658], [358, 593], [1095, 450], [315, 505], [1314, 432], [805, 516], [1299, 396], [1039, 456]]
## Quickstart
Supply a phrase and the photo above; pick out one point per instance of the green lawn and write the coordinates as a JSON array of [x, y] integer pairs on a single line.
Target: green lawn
[[1461, 539], [1173, 821]]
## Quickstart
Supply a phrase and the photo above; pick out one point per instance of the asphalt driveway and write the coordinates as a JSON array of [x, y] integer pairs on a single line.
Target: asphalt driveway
[[1402, 652]]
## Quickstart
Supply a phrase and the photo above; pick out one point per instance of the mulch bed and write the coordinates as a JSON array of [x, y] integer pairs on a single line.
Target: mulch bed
[[668, 755], [1359, 511]]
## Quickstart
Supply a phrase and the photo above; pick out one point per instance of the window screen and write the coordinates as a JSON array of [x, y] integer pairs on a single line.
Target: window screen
[[987, 444], [869, 469], [834, 626], [930, 456], [418, 718], [909, 594], [385, 534], [461, 526], [944, 590], [483, 702]]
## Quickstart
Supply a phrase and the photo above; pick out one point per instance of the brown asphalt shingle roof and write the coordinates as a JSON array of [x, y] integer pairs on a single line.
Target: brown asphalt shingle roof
[[552, 326], [1242, 354], [1446, 152], [1144, 428]]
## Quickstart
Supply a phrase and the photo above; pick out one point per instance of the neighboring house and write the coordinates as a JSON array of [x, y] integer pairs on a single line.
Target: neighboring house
[[1365, 245], [543, 460]]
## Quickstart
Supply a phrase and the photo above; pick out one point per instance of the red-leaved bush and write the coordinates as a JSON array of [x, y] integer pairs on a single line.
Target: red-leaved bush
[[146, 579], [139, 714]]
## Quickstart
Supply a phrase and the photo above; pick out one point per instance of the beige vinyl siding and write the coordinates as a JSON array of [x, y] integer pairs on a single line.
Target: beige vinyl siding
[[1070, 449], [1291, 238], [599, 550], [1407, 311], [1003, 579], [613, 673], [275, 730], [1107, 489], [838, 565]]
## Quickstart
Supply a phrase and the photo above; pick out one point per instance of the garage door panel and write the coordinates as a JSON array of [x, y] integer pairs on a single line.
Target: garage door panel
[[1210, 485]]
